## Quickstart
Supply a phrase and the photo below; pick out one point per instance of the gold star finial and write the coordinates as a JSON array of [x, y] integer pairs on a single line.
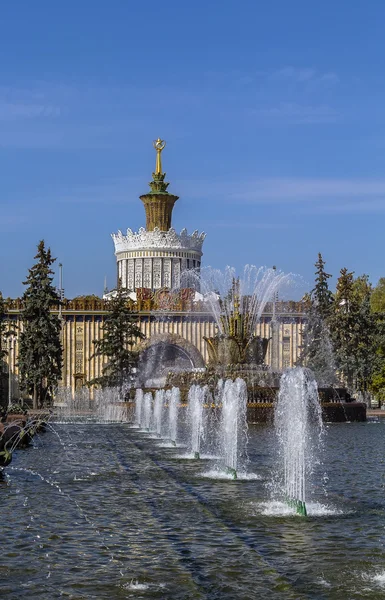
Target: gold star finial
[[159, 146]]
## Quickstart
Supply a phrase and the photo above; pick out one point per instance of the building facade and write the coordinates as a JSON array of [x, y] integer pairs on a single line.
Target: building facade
[[150, 266], [176, 333]]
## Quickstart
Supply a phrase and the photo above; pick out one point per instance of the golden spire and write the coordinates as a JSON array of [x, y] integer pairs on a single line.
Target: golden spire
[[158, 145]]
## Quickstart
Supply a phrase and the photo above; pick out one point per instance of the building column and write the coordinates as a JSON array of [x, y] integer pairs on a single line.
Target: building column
[[274, 327]]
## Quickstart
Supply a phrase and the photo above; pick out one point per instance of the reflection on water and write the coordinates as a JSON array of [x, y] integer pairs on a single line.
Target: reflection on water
[[105, 512]]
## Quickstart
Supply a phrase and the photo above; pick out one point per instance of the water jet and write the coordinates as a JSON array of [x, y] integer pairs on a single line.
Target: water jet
[[298, 427]]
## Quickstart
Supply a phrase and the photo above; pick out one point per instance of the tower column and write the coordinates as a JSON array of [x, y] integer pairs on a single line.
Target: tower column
[[158, 207], [158, 203]]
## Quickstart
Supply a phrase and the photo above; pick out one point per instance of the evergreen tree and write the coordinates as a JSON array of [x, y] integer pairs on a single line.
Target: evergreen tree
[[354, 330], [343, 325], [40, 351], [120, 332], [321, 296], [317, 350]]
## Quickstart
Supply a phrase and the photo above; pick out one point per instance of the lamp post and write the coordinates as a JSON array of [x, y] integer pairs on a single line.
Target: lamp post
[[274, 332], [10, 339]]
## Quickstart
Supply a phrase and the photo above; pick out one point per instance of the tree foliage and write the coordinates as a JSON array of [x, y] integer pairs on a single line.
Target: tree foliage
[[87, 298], [317, 350], [354, 330], [120, 333], [321, 296], [40, 351], [377, 300]]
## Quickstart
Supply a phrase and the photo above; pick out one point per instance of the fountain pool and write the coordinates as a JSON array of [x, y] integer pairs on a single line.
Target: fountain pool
[[103, 512]]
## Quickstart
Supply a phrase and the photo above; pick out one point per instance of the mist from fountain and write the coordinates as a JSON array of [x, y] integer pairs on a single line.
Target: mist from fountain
[[233, 430], [147, 411], [255, 287], [138, 406], [173, 406], [73, 408], [298, 426], [195, 418], [218, 394], [147, 374], [109, 405], [158, 411]]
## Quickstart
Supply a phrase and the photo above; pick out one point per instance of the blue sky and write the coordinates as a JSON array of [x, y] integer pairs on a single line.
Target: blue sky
[[273, 112]]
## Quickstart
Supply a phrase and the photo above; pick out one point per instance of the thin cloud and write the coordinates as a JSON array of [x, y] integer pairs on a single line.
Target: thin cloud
[[11, 223], [304, 75], [11, 111], [115, 191], [325, 195], [309, 195], [296, 74], [19, 103], [61, 116], [367, 206], [247, 225], [297, 114], [303, 189]]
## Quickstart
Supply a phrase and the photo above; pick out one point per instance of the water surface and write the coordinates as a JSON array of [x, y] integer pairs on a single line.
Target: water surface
[[104, 511]]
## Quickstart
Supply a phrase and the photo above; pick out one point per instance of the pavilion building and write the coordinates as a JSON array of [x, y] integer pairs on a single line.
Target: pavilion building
[[155, 257], [150, 264]]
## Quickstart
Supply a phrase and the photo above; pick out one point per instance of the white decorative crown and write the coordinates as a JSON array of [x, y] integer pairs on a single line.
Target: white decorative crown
[[167, 240]]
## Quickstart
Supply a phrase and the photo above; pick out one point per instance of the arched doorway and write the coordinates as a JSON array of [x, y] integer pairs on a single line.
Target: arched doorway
[[165, 353]]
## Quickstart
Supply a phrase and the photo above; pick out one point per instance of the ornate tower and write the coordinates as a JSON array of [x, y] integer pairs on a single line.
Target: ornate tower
[[155, 257], [158, 203]]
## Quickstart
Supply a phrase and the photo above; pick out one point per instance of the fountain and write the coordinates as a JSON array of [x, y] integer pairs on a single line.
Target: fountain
[[236, 304], [233, 433], [108, 406], [298, 426], [195, 418], [158, 410], [72, 409], [147, 411], [218, 393], [138, 406], [173, 404]]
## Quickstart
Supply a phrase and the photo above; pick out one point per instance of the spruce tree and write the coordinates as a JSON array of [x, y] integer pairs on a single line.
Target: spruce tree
[[40, 351], [354, 330], [343, 325], [120, 332], [321, 295], [317, 349]]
